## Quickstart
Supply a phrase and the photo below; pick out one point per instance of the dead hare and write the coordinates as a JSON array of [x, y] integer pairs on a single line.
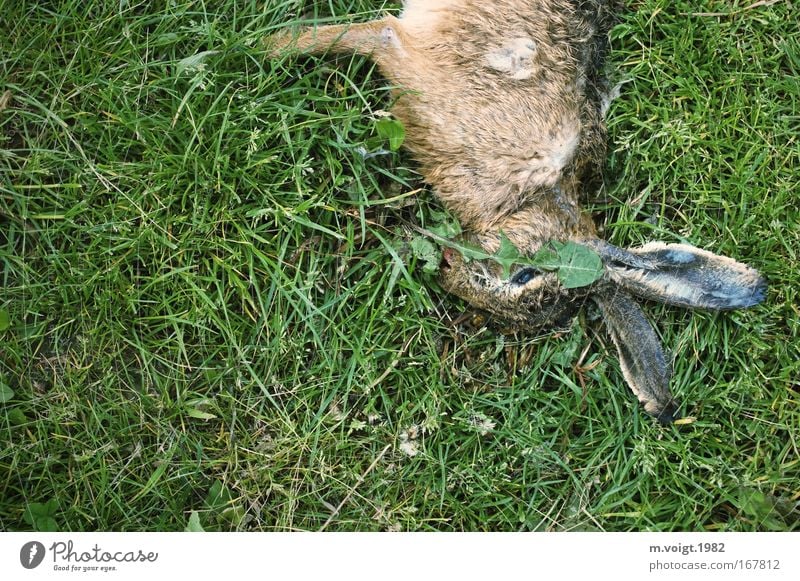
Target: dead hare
[[503, 105]]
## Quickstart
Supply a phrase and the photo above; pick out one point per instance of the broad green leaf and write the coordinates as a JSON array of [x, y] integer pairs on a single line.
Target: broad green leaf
[[194, 525], [51, 507], [233, 514], [46, 524], [760, 508], [220, 500], [6, 393], [449, 229], [5, 320], [200, 415], [470, 252], [426, 251], [37, 509], [391, 130], [16, 416], [194, 408], [507, 255], [569, 349], [40, 515], [580, 266], [546, 258], [218, 496], [191, 62]]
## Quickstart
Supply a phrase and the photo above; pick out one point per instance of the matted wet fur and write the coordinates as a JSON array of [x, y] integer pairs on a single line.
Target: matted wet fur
[[503, 107]]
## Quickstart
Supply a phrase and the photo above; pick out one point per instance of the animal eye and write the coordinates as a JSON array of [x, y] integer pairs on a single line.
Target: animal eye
[[524, 276]]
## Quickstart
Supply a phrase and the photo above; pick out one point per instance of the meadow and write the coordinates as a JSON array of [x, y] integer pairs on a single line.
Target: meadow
[[217, 311]]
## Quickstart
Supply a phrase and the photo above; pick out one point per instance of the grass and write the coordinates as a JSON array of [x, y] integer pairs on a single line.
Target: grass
[[208, 305]]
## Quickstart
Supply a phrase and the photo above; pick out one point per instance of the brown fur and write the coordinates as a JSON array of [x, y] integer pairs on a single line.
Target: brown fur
[[493, 143]]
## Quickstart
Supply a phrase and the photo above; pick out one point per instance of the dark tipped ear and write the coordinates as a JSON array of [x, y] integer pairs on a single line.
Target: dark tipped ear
[[682, 275], [640, 355]]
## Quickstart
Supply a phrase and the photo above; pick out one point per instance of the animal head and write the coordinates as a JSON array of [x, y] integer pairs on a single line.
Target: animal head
[[533, 299]]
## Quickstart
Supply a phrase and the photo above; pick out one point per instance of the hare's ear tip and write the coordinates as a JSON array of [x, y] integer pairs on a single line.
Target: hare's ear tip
[[665, 413], [669, 414], [760, 291], [746, 296]]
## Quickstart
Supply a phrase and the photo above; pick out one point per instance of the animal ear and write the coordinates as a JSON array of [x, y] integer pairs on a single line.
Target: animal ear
[[641, 357], [682, 275]]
